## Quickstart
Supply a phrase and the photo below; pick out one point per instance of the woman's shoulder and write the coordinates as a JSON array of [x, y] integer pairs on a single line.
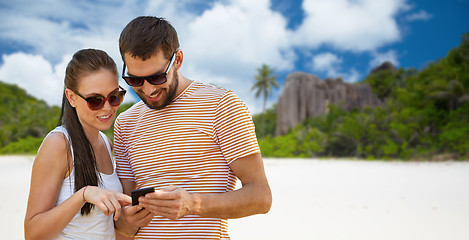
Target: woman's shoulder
[[53, 156], [54, 147], [57, 139]]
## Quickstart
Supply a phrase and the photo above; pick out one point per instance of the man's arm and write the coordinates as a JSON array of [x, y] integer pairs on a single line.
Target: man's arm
[[254, 197]]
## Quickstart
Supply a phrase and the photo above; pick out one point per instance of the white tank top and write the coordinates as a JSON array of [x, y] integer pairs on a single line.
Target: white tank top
[[95, 225]]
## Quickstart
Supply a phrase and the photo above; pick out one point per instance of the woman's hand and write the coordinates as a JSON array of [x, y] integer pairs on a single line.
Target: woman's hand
[[108, 201]]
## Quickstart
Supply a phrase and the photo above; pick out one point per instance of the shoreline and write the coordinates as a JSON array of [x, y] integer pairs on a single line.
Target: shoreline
[[435, 159]]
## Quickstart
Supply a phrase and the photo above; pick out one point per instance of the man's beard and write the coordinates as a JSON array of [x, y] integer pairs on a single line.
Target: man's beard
[[169, 97]]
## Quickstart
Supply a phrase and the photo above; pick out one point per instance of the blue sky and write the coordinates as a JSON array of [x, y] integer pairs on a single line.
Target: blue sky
[[225, 41]]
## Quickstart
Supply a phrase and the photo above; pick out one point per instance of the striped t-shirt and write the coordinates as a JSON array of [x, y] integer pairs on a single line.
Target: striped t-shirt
[[189, 144]]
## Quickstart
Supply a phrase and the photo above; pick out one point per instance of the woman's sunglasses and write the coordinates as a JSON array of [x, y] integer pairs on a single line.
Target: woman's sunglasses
[[154, 79], [97, 102]]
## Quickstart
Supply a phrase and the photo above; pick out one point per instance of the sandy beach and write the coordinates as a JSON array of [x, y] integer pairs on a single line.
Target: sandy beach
[[320, 199]]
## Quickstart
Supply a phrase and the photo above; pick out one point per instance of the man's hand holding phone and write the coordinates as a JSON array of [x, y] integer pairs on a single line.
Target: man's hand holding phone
[[171, 202]]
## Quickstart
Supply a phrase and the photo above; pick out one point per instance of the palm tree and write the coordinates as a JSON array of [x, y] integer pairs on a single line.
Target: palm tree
[[263, 86], [454, 94]]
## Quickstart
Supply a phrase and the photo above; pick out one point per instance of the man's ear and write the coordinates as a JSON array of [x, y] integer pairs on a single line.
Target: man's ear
[[71, 97], [179, 59]]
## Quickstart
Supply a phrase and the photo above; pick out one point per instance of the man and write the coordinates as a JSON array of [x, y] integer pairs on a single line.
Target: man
[[188, 140]]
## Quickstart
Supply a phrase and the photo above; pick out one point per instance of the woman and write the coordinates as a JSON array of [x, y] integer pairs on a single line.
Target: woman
[[74, 187]]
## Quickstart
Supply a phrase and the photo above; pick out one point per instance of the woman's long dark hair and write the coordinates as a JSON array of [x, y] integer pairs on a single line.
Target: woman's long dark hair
[[83, 62]]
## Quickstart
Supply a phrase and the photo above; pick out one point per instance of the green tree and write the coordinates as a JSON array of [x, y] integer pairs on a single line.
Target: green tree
[[265, 81], [454, 94], [270, 121], [385, 82]]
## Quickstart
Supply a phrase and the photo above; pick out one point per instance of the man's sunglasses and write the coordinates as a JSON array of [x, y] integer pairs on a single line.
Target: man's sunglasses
[[97, 102], [154, 79]]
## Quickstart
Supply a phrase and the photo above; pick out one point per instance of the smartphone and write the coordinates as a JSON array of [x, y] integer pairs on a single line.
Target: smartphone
[[140, 192]]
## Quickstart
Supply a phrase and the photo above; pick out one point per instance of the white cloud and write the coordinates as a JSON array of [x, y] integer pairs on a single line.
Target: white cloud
[[52, 32], [246, 32], [422, 15], [352, 76], [361, 25], [379, 58], [223, 44], [43, 36], [34, 74], [330, 64], [325, 61]]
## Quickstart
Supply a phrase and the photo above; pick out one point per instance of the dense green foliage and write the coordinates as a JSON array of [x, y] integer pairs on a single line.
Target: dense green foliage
[[270, 122], [425, 114], [25, 121], [27, 145]]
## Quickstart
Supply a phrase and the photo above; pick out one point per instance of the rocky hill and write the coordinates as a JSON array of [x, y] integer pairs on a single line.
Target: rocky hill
[[306, 96]]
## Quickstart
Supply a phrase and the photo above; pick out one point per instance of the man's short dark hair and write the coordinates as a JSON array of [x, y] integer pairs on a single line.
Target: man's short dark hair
[[144, 35]]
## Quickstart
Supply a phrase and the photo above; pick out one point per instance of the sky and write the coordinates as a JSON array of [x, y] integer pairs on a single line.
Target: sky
[[225, 41]]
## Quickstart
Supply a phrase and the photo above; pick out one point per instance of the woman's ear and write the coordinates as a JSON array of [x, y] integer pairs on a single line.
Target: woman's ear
[[70, 97]]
